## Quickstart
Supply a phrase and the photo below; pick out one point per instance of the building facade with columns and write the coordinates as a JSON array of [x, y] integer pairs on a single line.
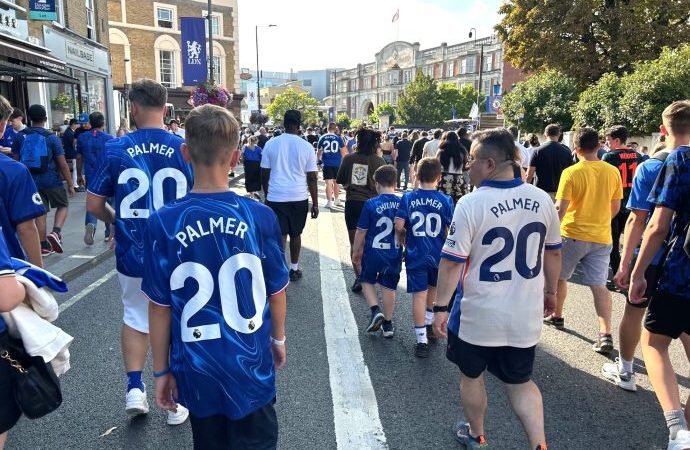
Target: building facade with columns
[[359, 90], [145, 43]]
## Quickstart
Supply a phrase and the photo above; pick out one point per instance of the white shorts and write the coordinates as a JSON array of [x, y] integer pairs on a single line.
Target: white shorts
[[136, 314]]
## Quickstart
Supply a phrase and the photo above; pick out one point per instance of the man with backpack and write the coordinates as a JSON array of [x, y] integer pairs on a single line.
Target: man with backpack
[[41, 152]]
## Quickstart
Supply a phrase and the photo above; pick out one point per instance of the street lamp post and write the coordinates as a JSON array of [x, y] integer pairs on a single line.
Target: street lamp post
[[210, 43], [481, 68], [258, 72], [126, 87]]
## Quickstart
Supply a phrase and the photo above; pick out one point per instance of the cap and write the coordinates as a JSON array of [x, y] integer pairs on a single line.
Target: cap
[[83, 118]]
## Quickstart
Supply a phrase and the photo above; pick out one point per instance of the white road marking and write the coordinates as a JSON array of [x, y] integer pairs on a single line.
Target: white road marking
[[355, 410], [67, 304], [82, 256]]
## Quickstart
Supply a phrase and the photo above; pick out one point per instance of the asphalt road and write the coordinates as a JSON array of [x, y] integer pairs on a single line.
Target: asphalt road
[[414, 401]]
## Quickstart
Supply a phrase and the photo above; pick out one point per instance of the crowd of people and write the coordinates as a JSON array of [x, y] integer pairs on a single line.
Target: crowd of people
[[489, 227]]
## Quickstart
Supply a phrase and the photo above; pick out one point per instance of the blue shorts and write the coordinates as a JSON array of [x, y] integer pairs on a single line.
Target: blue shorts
[[387, 277], [419, 280]]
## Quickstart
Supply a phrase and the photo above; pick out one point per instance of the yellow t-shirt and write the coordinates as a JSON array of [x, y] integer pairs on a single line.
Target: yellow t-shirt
[[589, 186]]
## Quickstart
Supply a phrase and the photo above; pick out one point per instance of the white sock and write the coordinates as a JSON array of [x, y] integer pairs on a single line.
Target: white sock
[[428, 317], [421, 335], [294, 266], [626, 366]]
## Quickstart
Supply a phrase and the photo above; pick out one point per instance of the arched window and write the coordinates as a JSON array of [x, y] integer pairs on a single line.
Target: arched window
[[219, 61], [167, 58]]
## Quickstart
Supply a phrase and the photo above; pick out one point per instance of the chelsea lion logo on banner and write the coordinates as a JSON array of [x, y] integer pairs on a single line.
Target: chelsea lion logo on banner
[[193, 52]]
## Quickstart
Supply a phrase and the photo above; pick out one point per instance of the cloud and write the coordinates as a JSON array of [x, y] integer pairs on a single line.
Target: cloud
[[313, 34]]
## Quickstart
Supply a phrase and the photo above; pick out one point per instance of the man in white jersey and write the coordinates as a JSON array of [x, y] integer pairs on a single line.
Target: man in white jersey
[[141, 171], [505, 238]]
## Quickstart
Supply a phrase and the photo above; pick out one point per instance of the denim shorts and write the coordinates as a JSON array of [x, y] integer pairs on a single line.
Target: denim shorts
[[593, 257]]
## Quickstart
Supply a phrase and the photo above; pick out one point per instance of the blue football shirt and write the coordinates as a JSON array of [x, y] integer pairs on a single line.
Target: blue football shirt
[[91, 147], [672, 191], [215, 259], [50, 178], [8, 137], [19, 201], [141, 171], [5, 269], [381, 248], [427, 215], [331, 145]]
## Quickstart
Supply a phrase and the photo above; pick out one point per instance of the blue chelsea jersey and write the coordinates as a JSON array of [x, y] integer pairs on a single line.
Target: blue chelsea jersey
[[381, 248], [141, 171], [215, 259], [427, 215], [5, 269], [331, 145]]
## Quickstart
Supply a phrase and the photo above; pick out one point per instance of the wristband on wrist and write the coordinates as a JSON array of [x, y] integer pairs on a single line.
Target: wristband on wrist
[[549, 292], [438, 308], [278, 341], [161, 373]]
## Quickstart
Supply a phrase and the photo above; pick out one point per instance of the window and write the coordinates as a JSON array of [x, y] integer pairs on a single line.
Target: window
[[488, 61], [471, 61], [449, 69], [217, 69], [463, 66], [394, 98], [306, 83], [90, 20], [407, 76], [486, 87], [60, 11], [164, 17], [168, 69], [215, 25], [367, 83]]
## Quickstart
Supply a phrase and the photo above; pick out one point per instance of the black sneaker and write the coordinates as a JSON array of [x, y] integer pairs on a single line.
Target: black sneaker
[[356, 287], [375, 322], [421, 350], [553, 321], [387, 329], [430, 333], [295, 275], [603, 344]]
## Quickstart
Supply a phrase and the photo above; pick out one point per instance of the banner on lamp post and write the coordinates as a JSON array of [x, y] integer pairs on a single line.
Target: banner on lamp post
[[194, 65], [252, 97], [42, 10]]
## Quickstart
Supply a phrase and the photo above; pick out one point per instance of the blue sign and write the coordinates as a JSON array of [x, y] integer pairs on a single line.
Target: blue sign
[[42, 10], [331, 114], [494, 104], [194, 66]]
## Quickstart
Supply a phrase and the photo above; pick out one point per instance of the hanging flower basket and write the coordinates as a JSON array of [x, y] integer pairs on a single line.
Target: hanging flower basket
[[214, 94]]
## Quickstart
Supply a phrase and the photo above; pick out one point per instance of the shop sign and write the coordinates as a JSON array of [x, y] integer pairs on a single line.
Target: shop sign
[[42, 10], [76, 54], [79, 53], [9, 24]]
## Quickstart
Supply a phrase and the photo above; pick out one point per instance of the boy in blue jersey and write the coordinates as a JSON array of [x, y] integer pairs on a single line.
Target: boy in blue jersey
[[421, 224], [382, 260], [215, 275], [669, 306], [331, 149], [141, 171], [90, 153]]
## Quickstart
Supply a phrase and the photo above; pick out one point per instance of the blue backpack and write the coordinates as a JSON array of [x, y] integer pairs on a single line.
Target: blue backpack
[[34, 153]]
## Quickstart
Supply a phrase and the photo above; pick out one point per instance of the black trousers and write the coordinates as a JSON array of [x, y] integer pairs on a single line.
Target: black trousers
[[617, 228]]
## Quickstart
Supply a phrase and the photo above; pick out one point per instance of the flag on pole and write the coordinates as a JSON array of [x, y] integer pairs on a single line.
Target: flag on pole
[[474, 112], [396, 16]]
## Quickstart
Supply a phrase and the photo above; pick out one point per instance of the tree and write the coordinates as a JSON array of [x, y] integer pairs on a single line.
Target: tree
[[343, 121], [382, 108], [355, 123], [544, 98], [451, 97], [418, 104], [291, 99], [588, 38], [653, 86], [599, 104]]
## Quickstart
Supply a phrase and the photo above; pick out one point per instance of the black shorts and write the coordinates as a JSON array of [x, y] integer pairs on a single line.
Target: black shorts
[[330, 173], [9, 410], [54, 197], [292, 216], [651, 275], [667, 314], [512, 365], [257, 431], [353, 209]]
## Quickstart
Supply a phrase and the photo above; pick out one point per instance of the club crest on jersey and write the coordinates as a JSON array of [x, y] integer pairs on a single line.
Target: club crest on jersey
[[452, 227], [36, 198], [196, 333], [251, 325]]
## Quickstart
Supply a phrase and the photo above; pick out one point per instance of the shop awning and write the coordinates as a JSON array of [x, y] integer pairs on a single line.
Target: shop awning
[[31, 56], [32, 73]]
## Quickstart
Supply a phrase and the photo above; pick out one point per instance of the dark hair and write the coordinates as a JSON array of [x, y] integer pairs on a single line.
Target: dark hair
[[37, 113], [450, 149], [96, 119], [462, 132], [174, 121], [618, 132], [586, 139], [73, 122], [212, 134], [437, 134], [533, 140], [386, 175], [148, 93], [292, 120], [552, 130], [496, 143], [514, 131], [368, 140], [16, 112], [428, 170]]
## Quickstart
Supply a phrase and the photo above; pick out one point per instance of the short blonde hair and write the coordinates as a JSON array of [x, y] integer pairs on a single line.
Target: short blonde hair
[[676, 116], [5, 109], [212, 134]]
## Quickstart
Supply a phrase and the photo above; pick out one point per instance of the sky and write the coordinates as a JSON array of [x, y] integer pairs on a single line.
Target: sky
[[320, 34]]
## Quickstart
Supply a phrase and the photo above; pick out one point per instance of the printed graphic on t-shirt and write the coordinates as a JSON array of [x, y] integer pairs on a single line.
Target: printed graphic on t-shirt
[[360, 173]]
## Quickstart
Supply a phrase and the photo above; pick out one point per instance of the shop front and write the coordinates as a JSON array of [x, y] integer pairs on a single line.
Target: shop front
[[89, 65]]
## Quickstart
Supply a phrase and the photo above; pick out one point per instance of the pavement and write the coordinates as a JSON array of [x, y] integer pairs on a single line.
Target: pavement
[[347, 390]]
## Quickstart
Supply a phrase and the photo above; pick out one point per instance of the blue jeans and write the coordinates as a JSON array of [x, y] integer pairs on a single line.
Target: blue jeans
[[91, 219], [403, 166]]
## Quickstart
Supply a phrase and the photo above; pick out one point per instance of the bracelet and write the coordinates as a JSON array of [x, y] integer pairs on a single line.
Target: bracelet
[[549, 292], [161, 373], [277, 341], [438, 308]]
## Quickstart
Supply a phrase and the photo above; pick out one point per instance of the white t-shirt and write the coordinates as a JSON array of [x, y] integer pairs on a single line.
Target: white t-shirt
[[290, 158], [179, 133], [500, 232], [524, 155], [431, 148]]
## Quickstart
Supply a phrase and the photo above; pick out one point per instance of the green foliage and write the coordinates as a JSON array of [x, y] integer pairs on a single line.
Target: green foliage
[[343, 121], [382, 108], [62, 102], [425, 102], [544, 98], [599, 104], [652, 87], [462, 99], [588, 38], [355, 123], [291, 99]]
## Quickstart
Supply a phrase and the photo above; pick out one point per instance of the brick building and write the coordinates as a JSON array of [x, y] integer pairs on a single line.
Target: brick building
[[359, 90], [62, 64], [145, 43]]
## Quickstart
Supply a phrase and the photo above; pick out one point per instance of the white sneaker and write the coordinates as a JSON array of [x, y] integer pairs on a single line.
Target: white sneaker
[[329, 205], [681, 442], [136, 403], [179, 417], [337, 202], [89, 232], [624, 380]]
